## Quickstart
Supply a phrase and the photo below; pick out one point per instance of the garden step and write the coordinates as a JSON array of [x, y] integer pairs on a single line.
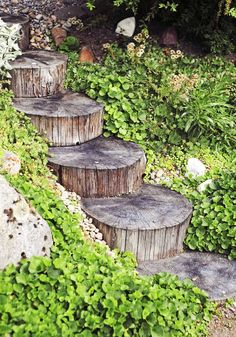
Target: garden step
[[38, 73], [150, 223], [102, 167], [65, 119], [213, 273]]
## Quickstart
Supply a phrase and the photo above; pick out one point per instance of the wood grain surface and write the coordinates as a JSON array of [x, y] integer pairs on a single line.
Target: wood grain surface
[[100, 168], [150, 223]]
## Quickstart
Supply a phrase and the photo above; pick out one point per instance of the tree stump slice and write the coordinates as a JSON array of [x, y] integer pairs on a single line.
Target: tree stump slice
[[38, 73], [23, 21], [150, 223], [65, 119], [99, 168]]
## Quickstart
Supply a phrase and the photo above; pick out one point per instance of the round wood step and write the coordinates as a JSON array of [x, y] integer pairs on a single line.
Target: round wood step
[[38, 73], [150, 223], [99, 168], [65, 119], [23, 21]]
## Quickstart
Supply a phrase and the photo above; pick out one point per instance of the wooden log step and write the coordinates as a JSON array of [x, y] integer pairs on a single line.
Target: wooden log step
[[65, 119], [150, 223], [23, 21], [99, 168], [38, 73]]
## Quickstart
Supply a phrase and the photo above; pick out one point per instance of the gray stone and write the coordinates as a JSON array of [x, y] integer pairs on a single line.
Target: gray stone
[[213, 273], [169, 37], [23, 233], [195, 167], [11, 163], [202, 187], [126, 27]]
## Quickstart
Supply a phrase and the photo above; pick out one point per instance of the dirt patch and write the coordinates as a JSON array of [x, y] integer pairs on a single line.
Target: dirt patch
[[224, 323]]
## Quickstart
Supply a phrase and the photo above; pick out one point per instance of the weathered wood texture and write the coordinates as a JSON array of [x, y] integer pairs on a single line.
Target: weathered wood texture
[[65, 119], [23, 21], [150, 223], [99, 168], [38, 73]]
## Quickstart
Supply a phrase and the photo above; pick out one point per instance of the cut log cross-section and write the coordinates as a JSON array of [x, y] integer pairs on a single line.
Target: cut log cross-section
[[99, 168], [65, 119], [148, 220], [150, 223], [38, 74], [23, 21]]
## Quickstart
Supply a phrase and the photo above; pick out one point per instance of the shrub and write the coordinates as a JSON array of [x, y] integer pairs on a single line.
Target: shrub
[[71, 43], [9, 48]]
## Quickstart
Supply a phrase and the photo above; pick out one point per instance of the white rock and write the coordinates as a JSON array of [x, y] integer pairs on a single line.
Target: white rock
[[160, 173], [92, 235], [23, 233], [65, 195], [99, 236], [126, 27], [11, 163], [203, 186], [195, 167], [39, 17], [71, 208]]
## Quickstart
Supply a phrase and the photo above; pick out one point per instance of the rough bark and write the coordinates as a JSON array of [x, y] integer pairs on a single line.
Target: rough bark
[[38, 73], [65, 119], [99, 168], [150, 223]]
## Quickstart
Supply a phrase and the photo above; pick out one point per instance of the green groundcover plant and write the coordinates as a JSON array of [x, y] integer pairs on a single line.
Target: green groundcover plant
[[175, 107], [81, 290], [213, 227], [213, 224], [161, 96]]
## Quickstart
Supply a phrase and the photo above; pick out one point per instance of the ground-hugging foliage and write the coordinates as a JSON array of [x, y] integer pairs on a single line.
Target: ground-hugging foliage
[[82, 290], [161, 96], [175, 107], [213, 226]]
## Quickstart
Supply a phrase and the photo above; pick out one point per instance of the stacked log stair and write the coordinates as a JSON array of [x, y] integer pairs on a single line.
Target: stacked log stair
[[148, 220]]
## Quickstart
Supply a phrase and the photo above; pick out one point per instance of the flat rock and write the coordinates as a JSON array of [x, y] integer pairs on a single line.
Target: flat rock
[[23, 233], [151, 223], [213, 273]]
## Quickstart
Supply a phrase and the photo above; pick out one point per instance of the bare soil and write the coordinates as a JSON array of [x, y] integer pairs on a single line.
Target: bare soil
[[224, 323]]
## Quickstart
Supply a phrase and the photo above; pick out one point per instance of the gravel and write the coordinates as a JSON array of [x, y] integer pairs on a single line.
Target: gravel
[[42, 18], [73, 202]]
